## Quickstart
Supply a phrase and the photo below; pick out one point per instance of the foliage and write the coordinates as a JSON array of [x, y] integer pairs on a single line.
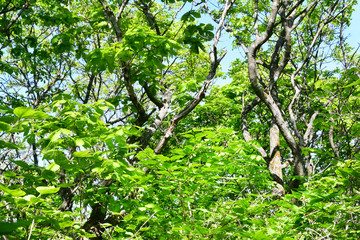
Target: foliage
[[106, 132]]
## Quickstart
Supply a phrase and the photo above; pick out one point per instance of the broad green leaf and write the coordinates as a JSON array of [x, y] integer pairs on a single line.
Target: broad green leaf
[[30, 198], [65, 224], [54, 136], [225, 130], [16, 192], [65, 185], [353, 84], [79, 142], [53, 167], [4, 127], [13, 192], [58, 157], [47, 174], [8, 119], [82, 154], [7, 228], [24, 112], [9, 174], [22, 164], [47, 190], [150, 205], [128, 217], [10, 145], [5, 109]]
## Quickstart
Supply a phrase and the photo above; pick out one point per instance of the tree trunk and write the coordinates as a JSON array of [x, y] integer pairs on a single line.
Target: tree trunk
[[299, 170], [275, 166]]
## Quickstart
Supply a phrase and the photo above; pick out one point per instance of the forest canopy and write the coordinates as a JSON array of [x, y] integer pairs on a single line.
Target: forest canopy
[[111, 126]]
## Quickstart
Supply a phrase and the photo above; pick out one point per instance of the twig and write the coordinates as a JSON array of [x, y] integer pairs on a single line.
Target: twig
[[106, 231], [142, 226], [31, 228]]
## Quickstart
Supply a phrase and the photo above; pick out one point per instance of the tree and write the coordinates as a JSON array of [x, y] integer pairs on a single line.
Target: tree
[[294, 34], [106, 133]]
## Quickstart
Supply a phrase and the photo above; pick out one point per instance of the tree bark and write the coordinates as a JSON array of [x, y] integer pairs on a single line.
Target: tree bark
[[275, 166]]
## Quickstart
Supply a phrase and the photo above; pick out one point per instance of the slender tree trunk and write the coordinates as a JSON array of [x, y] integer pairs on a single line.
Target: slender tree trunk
[[275, 166], [299, 170]]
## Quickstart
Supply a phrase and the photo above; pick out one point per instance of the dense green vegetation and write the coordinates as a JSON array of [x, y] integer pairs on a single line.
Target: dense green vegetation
[[111, 126]]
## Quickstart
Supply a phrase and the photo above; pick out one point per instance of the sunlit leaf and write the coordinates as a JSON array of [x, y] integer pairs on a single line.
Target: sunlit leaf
[[47, 190]]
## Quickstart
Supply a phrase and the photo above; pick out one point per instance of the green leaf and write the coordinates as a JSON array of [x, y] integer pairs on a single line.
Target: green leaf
[[59, 158], [82, 154], [150, 205], [79, 142], [4, 127], [47, 190], [53, 167], [5, 109], [54, 136], [22, 164], [30, 198], [190, 16], [225, 130], [10, 145], [8, 119], [9, 174], [353, 84], [128, 217], [65, 185], [7, 228], [47, 174], [13, 192], [16, 192], [24, 112]]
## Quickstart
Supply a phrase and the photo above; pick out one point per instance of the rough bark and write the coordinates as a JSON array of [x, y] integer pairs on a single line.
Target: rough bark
[[275, 166], [269, 95]]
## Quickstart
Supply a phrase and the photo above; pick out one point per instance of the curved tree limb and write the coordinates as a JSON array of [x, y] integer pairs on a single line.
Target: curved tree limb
[[244, 127], [142, 116], [215, 61], [113, 20]]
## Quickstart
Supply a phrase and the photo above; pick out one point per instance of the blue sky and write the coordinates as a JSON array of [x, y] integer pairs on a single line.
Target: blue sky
[[353, 31]]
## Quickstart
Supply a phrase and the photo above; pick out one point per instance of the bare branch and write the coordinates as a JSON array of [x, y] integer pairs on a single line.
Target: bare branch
[[152, 98], [244, 126], [121, 9], [145, 8], [119, 119], [331, 140], [26, 6], [172, 21], [256, 25], [89, 87], [209, 80], [142, 116], [142, 226], [155, 125], [269, 29], [110, 17]]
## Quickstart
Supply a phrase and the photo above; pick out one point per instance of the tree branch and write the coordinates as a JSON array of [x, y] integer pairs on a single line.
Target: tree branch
[[145, 8], [152, 98], [244, 126], [209, 80], [110, 17], [26, 6], [121, 9], [142, 116]]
